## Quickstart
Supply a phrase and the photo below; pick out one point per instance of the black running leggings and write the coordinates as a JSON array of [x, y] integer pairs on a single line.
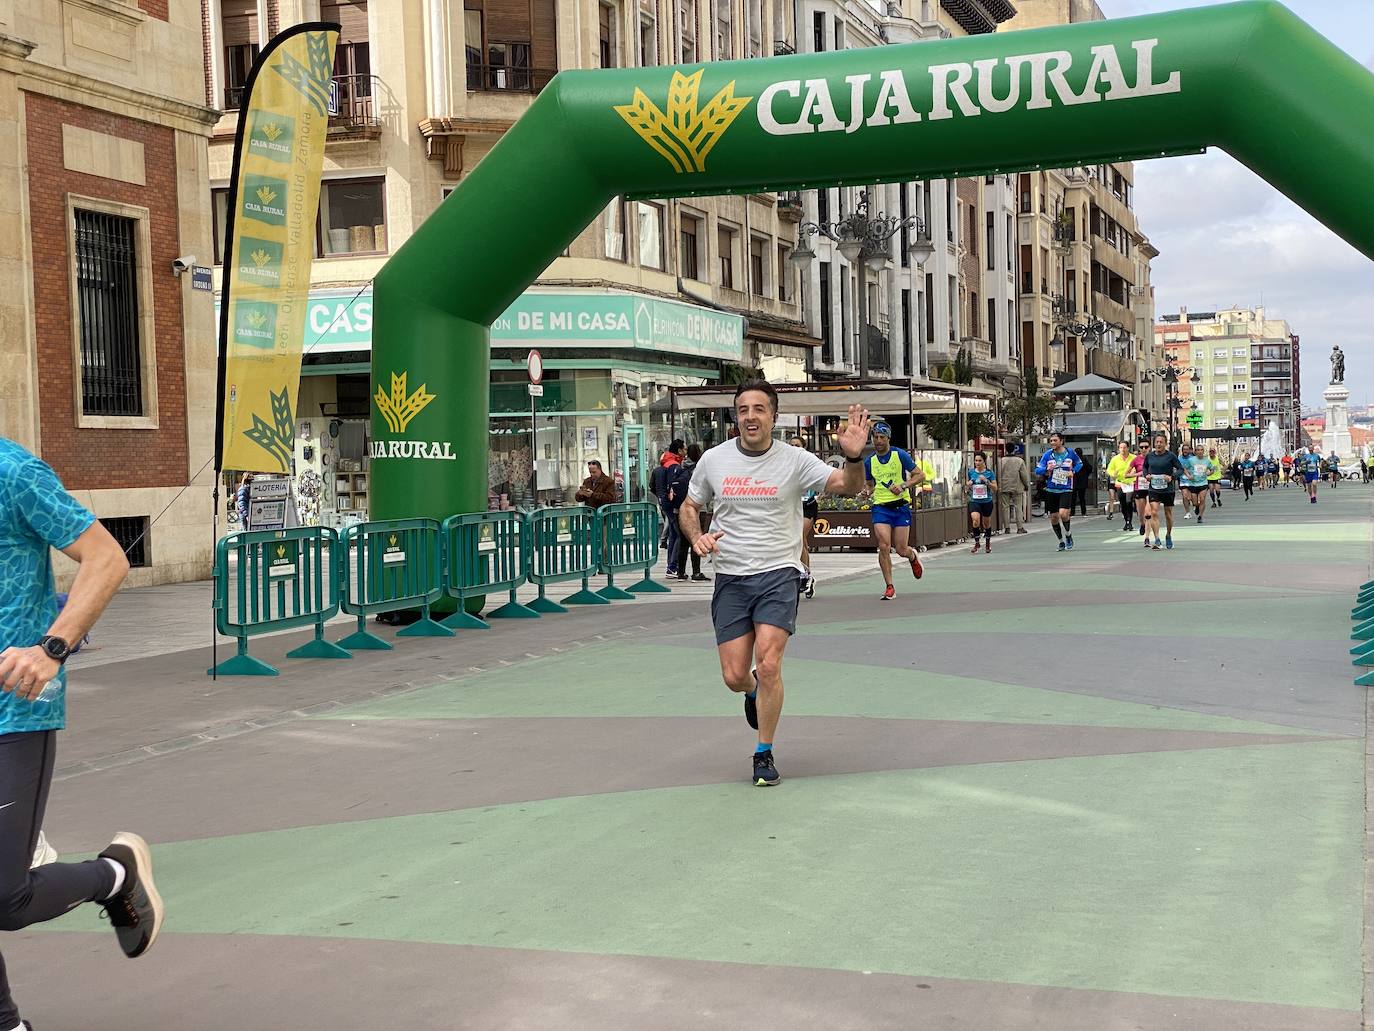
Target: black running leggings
[[1249, 482], [31, 897]]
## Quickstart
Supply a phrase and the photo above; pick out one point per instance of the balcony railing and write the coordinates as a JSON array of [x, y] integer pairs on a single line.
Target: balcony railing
[[353, 105], [496, 78]]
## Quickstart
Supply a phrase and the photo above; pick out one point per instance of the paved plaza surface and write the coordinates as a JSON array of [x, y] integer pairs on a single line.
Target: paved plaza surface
[[1109, 789]]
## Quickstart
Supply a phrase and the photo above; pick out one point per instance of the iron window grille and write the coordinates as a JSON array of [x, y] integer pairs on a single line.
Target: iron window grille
[[107, 299], [131, 532]]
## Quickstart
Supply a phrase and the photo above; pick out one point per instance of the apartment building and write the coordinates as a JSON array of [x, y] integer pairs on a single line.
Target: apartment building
[[654, 294], [107, 362], [1243, 359], [963, 295], [1082, 256]]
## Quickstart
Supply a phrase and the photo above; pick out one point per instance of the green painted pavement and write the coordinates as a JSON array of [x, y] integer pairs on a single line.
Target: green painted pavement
[[1316, 617], [1139, 873], [964, 579], [576, 684]]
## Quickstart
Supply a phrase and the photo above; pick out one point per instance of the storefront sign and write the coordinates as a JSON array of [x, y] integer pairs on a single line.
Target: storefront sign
[[341, 320], [335, 320], [269, 505], [619, 320]]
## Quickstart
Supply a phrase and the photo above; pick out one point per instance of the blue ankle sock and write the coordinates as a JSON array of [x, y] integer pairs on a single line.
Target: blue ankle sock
[[761, 747]]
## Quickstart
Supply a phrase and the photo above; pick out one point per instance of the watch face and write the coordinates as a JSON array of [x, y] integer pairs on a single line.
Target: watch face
[[56, 648]]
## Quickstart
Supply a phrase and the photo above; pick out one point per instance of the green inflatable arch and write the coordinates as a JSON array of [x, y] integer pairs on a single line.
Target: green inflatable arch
[[1248, 77]]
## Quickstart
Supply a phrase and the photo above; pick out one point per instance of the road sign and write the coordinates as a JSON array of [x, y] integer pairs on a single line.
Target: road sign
[[535, 364], [536, 390]]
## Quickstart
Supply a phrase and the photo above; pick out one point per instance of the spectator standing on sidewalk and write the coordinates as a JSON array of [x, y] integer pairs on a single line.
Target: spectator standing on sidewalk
[[683, 548], [1082, 480], [241, 499], [1013, 479], [36, 515], [597, 489], [670, 487]]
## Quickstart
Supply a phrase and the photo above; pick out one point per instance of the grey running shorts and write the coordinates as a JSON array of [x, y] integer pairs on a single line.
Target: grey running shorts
[[741, 602]]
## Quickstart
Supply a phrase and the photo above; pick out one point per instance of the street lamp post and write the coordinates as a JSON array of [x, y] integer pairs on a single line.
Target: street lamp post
[[1170, 373], [863, 240], [1088, 328]]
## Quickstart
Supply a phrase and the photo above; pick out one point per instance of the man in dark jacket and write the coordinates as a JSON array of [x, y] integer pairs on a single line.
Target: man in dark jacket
[[669, 483], [597, 489], [683, 548]]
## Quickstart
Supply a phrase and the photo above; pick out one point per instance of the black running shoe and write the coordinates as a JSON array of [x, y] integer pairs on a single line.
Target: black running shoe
[[136, 911], [751, 709], [765, 773]]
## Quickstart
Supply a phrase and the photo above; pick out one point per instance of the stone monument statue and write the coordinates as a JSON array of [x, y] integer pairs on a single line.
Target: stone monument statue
[[1336, 435]]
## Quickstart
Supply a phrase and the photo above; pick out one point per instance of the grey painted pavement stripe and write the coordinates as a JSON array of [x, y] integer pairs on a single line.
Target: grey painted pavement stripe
[[326, 772], [361, 985]]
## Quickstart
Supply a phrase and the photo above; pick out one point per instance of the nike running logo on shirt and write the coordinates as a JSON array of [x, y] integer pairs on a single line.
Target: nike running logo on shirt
[[6, 805]]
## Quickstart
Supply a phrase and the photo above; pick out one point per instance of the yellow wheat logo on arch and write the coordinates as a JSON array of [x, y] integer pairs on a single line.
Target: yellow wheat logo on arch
[[398, 408], [686, 134]]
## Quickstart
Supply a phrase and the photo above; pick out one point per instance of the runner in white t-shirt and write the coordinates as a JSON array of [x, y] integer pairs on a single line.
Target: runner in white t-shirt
[[757, 485]]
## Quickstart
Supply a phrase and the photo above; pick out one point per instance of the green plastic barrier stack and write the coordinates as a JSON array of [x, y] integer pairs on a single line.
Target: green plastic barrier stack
[[391, 565], [270, 580], [627, 537], [485, 552], [1363, 633], [563, 548]]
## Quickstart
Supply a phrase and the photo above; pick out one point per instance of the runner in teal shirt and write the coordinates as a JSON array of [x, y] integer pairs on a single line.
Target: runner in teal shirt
[[1195, 471], [36, 515]]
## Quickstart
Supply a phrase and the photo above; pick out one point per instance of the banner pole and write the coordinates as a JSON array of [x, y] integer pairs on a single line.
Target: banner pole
[[214, 542]]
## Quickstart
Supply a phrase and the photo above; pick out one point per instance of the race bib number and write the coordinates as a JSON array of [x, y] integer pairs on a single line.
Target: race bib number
[[1060, 477], [1142, 483], [1159, 482], [980, 492]]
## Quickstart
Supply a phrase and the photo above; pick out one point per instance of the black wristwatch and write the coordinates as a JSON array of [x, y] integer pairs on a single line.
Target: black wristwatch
[[55, 648], [854, 461]]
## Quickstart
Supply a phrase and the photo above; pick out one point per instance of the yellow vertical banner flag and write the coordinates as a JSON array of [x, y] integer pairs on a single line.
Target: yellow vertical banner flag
[[273, 203]]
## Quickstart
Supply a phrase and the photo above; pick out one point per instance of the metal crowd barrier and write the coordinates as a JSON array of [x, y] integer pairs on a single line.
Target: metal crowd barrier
[[277, 580], [563, 548], [272, 580], [485, 552], [627, 540], [388, 566]]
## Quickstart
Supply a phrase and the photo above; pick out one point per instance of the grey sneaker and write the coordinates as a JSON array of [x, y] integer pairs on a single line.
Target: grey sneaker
[[44, 853], [136, 911]]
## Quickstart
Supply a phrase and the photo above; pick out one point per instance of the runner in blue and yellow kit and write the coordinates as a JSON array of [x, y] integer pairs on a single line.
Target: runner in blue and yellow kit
[[1058, 465], [891, 473]]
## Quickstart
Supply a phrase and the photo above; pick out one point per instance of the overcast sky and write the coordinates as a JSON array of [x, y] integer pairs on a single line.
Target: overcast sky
[[1229, 239]]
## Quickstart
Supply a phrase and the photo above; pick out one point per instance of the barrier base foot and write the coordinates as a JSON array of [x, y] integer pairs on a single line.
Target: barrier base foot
[[243, 666], [464, 620], [425, 628], [1366, 585], [1362, 633], [1365, 680], [513, 610], [362, 641], [586, 597], [1365, 647], [546, 605], [319, 648], [647, 586], [1362, 613], [615, 594]]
